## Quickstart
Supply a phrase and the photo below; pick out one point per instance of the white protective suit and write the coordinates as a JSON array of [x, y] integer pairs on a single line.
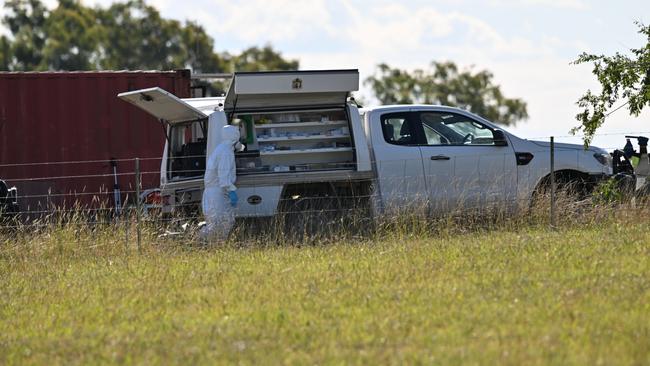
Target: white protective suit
[[219, 180]]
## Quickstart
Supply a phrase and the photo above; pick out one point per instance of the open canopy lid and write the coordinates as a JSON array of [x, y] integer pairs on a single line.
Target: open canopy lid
[[163, 105], [275, 90]]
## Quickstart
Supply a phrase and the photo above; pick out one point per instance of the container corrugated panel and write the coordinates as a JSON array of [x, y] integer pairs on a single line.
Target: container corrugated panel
[[59, 131]]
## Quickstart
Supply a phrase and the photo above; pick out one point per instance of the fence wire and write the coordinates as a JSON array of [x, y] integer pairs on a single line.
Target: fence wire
[[466, 179]]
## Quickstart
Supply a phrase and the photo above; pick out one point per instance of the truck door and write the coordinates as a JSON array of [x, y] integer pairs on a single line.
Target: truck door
[[399, 162], [464, 168]]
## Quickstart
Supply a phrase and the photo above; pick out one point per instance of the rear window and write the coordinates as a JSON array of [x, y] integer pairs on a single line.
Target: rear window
[[396, 129]]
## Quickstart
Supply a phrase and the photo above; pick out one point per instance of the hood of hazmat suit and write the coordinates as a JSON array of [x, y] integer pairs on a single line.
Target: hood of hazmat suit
[[220, 177], [220, 166]]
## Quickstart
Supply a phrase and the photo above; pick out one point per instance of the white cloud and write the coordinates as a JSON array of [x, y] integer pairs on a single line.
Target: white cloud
[[565, 4], [572, 4], [271, 21], [393, 29]]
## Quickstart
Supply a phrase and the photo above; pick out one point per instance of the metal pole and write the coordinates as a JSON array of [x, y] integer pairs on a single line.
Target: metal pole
[[211, 76], [137, 199], [552, 182], [127, 220]]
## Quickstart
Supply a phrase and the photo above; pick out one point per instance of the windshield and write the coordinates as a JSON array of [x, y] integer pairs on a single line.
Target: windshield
[[187, 145]]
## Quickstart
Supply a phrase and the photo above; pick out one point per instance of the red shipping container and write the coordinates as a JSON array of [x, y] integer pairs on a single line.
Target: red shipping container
[[60, 130]]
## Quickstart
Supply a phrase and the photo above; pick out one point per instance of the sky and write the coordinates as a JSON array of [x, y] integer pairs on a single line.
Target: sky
[[527, 44]]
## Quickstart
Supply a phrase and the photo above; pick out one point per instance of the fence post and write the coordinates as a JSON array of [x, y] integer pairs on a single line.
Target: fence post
[[552, 182], [127, 220], [137, 200]]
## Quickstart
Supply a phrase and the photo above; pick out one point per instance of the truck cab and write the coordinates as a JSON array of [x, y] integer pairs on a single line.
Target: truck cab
[[452, 160]]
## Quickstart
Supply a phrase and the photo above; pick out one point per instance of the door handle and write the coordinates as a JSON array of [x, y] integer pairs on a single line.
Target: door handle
[[440, 157]]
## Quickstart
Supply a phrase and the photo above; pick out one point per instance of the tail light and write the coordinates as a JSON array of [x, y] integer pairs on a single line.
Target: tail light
[[153, 198]]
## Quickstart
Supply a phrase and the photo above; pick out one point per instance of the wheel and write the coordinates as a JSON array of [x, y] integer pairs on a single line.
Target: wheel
[[325, 209]]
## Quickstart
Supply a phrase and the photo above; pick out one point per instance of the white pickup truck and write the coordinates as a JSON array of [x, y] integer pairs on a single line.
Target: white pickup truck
[[306, 138]]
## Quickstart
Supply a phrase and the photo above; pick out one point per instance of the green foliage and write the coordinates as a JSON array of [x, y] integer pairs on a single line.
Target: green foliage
[[200, 54], [135, 36], [261, 59], [72, 38], [445, 84], [65, 38], [5, 53], [608, 192], [251, 59], [621, 77], [26, 22], [127, 35]]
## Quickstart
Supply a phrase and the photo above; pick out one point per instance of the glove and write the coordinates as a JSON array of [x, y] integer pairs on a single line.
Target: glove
[[233, 198]]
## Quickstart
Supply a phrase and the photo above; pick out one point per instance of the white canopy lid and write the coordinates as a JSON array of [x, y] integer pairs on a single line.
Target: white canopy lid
[[290, 89], [163, 105], [206, 105]]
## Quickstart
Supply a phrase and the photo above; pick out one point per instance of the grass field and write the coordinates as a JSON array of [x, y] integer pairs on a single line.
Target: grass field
[[579, 295]]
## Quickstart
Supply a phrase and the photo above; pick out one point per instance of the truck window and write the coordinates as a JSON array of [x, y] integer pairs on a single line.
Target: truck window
[[187, 146], [397, 129], [433, 137], [441, 128]]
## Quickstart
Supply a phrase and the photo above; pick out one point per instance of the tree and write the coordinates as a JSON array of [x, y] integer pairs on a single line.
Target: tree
[[621, 77], [26, 22], [136, 37], [5, 53], [251, 59], [445, 84], [262, 59], [394, 86], [72, 38], [127, 35], [200, 50]]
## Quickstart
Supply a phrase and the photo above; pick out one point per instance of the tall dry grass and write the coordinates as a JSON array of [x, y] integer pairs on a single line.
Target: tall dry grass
[[315, 221]]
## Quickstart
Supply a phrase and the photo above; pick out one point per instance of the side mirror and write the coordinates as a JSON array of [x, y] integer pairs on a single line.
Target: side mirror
[[499, 138]]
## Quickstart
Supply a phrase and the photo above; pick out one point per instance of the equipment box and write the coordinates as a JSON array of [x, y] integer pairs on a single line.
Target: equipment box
[[292, 121]]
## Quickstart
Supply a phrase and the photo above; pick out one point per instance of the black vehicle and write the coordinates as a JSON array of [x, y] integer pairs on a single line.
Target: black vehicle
[[8, 202]]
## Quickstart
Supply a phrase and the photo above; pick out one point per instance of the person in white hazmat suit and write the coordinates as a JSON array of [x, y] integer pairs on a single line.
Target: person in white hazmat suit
[[220, 193]]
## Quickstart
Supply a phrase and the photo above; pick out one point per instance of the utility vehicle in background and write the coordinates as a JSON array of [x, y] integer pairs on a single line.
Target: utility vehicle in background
[[306, 138], [8, 202]]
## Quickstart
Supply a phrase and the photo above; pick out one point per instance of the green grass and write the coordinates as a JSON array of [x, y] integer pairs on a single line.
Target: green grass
[[579, 295]]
